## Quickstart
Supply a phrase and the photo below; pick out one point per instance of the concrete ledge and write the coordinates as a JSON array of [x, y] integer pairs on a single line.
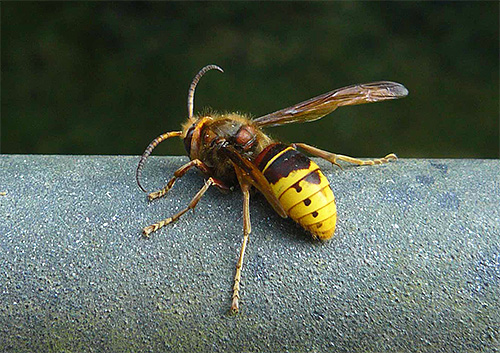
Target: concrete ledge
[[414, 265]]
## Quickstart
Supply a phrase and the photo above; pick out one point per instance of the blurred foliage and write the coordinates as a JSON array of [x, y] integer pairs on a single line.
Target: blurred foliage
[[108, 77]]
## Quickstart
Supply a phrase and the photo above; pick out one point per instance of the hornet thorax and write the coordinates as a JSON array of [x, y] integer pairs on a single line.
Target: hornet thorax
[[204, 138]]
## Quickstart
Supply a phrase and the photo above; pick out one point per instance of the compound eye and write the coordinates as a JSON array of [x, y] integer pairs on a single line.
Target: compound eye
[[188, 138]]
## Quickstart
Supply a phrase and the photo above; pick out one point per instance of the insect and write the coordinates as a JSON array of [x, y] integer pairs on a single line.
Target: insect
[[231, 149]]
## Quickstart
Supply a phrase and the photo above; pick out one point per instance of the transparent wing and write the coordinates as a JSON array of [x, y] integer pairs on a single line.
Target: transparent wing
[[317, 107]]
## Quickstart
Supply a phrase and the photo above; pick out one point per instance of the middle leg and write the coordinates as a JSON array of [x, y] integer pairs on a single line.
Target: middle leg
[[245, 188], [154, 227]]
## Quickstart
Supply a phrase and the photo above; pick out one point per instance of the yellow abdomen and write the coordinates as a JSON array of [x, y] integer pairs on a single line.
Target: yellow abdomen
[[301, 188]]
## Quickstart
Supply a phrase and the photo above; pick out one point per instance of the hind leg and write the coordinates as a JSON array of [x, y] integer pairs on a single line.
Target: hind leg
[[333, 157]]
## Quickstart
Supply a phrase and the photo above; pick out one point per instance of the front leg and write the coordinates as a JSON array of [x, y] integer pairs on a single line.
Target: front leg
[[179, 173]]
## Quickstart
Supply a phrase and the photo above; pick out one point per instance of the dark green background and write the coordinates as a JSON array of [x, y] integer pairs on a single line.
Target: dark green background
[[106, 78]]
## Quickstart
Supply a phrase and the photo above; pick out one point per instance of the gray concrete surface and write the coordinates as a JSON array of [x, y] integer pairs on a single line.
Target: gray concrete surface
[[414, 265]]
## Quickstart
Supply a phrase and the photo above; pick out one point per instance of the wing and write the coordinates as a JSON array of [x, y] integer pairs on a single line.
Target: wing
[[255, 177], [317, 107]]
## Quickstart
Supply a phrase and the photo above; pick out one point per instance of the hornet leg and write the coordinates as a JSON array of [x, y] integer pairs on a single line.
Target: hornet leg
[[246, 231], [332, 157], [154, 227], [179, 173]]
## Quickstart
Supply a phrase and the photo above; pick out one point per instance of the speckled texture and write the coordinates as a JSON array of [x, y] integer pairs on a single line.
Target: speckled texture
[[414, 265]]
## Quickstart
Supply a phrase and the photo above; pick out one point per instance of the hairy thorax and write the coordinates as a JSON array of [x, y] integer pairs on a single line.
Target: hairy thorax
[[213, 130]]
